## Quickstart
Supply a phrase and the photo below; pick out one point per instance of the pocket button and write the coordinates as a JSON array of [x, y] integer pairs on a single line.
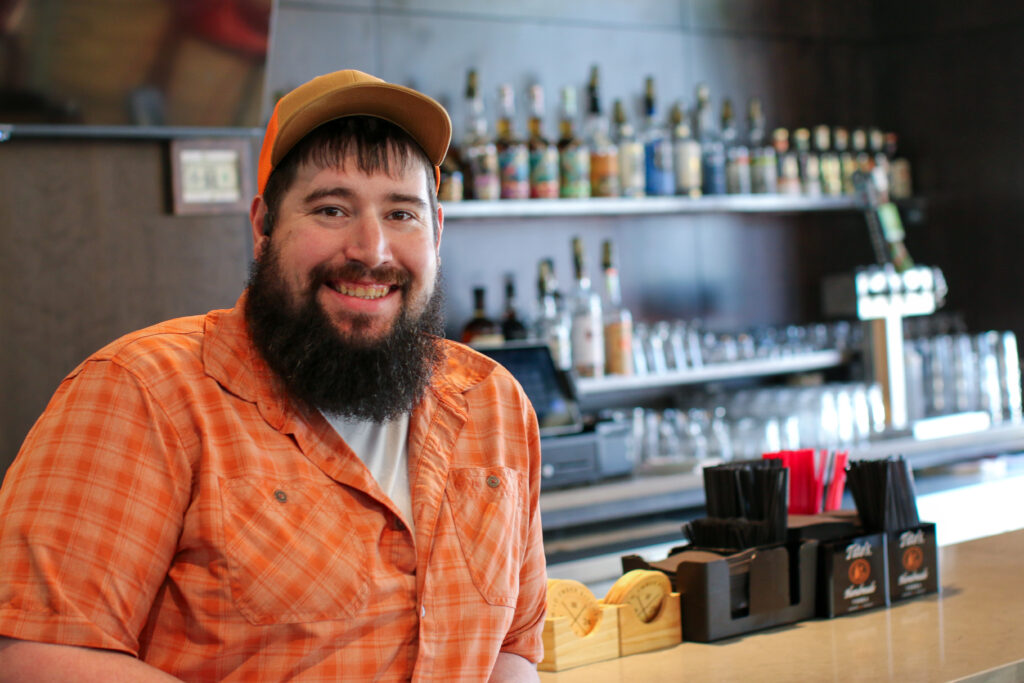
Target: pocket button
[[493, 481]]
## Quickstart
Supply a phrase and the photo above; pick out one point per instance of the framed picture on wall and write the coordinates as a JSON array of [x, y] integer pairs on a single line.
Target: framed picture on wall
[[211, 175]]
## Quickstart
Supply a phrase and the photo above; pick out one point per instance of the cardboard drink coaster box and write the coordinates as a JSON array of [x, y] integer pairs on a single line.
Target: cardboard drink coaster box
[[913, 562], [853, 575], [724, 596]]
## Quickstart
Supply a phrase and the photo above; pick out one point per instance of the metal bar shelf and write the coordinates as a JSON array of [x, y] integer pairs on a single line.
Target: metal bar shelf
[[761, 367], [610, 206]]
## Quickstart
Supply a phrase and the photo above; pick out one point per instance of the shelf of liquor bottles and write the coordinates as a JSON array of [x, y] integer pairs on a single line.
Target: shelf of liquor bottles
[[644, 206]]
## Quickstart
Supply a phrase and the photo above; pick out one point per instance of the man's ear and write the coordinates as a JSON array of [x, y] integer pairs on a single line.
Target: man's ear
[[259, 225], [440, 227]]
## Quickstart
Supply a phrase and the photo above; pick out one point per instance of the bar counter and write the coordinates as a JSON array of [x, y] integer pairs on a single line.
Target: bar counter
[[975, 625]]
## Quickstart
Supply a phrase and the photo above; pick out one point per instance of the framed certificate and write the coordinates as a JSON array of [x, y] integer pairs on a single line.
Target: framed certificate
[[211, 176]]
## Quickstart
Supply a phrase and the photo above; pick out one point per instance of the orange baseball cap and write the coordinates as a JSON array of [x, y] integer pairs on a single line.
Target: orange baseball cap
[[353, 93]]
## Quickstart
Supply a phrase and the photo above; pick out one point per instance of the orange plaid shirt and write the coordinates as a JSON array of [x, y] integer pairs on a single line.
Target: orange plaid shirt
[[171, 503]]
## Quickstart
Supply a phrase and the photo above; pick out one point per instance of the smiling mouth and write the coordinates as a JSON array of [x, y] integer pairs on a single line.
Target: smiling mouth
[[361, 291]]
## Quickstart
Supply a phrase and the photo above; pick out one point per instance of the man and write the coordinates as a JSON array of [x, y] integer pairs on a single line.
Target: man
[[309, 486]]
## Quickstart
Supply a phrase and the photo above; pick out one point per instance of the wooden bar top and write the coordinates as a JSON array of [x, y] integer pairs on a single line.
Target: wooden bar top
[[974, 625]]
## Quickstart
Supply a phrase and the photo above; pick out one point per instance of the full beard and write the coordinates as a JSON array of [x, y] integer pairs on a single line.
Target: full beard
[[343, 374]]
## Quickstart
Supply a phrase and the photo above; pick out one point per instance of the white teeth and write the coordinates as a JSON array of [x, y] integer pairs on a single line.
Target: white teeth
[[362, 291]]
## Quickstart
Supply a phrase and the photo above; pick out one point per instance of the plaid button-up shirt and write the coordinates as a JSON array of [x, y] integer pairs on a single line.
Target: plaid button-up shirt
[[171, 503]]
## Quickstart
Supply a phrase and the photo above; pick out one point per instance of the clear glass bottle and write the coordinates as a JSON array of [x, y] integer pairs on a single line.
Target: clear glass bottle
[[659, 176], [512, 326], [573, 153], [451, 187], [481, 330], [687, 153], [479, 154], [618, 321], [859, 144], [737, 155], [847, 162], [828, 162], [810, 169], [553, 324], [631, 153], [763, 169], [604, 156], [543, 152], [587, 332], [712, 150], [513, 155], [788, 163]]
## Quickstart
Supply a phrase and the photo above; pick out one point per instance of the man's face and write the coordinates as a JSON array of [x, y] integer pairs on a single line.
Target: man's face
[[362, 246]]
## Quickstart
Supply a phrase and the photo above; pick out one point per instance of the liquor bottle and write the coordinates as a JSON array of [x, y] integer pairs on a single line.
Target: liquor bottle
[[788, 163], [543, 152], [763, 170], [631, 154], [828, 162], [876, 148], [618, 321], [859, 143], [513, 156], [737, 156], [553, 325], [604, 156], [451, 187], [480, 329], [686, 153], [847, 162], [479, 154], [587, 332], [659, 175], [573, 153], [810, 169], [712, 150], [512, 326]]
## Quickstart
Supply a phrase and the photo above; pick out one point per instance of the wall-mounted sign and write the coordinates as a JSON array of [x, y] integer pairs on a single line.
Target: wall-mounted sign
[[211, 175]]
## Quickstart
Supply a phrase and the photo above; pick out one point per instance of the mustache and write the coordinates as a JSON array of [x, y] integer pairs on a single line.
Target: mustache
[[354, 271]]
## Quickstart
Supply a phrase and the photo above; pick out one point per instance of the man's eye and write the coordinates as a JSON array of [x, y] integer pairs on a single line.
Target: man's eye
[[332, 211], [402, 215]]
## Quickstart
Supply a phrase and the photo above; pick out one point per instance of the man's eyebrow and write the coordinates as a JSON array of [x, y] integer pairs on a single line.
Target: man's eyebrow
[[399, 198], [322, 192]]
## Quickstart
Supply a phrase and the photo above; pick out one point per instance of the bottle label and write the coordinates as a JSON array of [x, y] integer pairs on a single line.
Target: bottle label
[[544, 173], [483, 168], [762, 174], [587, 345], [451, 187], [575, 172], [688, 170], [658, 167], [604, 174], [737, 173], [514, 166], [618, 347], [631, 169], [713, 169]]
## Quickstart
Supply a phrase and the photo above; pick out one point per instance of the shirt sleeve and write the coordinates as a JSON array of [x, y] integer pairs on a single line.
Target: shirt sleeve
[[90, 513], [524, 637]]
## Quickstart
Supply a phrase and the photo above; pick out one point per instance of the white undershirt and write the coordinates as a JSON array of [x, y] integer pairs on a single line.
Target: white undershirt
[[383, 448]]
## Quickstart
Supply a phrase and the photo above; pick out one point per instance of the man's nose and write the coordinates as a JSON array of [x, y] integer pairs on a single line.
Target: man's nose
[[367, 242]]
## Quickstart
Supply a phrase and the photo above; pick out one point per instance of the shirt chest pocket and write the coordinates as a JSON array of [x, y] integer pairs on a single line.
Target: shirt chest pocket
[[291, 557], [487, 510]]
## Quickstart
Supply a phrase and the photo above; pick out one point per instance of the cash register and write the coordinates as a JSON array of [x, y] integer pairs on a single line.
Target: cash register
[[573, 450]]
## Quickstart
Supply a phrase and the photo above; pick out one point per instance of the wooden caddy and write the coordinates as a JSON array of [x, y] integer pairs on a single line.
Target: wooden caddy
[[665, 630], [619, 633], [563, 649]]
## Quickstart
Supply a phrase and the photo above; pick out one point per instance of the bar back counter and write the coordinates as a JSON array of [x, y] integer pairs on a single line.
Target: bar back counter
[[972, 630]]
